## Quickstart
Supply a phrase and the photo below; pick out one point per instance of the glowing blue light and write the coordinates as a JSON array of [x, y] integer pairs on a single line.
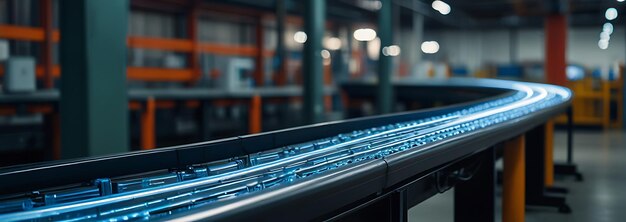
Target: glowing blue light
[[213, 182]]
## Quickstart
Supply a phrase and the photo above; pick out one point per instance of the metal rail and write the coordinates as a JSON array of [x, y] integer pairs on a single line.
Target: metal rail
[[217, 190]]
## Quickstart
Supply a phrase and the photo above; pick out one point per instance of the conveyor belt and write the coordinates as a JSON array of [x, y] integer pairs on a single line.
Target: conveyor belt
[[348, 166]]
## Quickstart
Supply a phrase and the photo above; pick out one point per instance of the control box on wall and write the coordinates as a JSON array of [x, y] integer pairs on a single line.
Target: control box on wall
[[19, 75]]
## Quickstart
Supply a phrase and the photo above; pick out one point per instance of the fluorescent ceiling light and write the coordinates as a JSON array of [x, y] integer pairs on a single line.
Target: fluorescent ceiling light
[[430, 47], [364, 35], [611, 14], [441, 7], [299, 37]]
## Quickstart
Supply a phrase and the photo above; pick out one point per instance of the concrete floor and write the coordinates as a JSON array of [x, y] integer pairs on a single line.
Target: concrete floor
[[601, 157]]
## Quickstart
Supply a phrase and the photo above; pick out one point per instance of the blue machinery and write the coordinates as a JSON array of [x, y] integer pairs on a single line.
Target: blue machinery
[[339, 170]]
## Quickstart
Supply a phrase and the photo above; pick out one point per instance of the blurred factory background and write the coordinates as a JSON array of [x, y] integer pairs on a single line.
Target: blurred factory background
[[85, 78], [138, 74]]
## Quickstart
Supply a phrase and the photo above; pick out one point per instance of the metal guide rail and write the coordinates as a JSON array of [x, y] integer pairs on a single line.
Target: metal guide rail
[[294, 170]]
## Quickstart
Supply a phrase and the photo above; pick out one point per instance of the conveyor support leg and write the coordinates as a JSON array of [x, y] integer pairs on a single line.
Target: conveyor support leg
[[549, 154], [514, 184], [474, 200]]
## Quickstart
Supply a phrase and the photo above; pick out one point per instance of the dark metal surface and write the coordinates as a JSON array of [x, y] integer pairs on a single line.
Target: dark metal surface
[[569, 168], [401, 168], [536, 192], [38, 175], [479, 188], [312, 198]]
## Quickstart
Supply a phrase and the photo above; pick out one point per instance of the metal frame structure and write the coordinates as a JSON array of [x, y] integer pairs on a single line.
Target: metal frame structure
[[48, 72], [383, 187], [147, 101]]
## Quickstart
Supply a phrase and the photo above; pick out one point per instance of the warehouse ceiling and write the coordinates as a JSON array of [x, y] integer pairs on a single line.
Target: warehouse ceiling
[[467, 14], [517, 13], [337, 10]]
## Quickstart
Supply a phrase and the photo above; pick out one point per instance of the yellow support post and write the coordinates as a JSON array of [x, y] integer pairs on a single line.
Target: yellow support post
[[514, 185]]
